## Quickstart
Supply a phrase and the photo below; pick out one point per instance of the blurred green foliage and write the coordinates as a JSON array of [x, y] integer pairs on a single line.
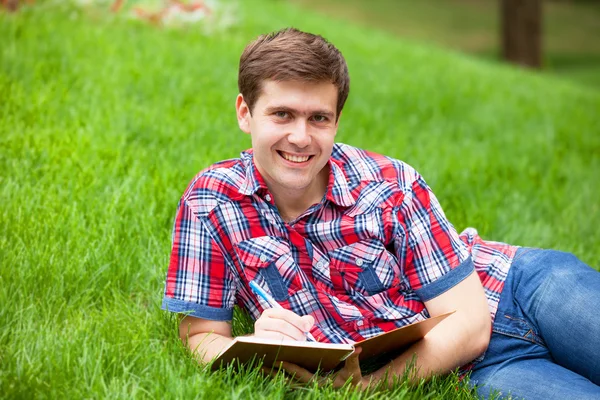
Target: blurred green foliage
[[571, 32]]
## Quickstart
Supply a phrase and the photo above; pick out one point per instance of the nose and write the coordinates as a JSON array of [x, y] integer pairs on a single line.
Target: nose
[[299, 134]]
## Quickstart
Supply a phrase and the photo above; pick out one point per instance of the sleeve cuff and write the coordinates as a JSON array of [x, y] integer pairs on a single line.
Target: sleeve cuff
[[197, 310], [447, 281]]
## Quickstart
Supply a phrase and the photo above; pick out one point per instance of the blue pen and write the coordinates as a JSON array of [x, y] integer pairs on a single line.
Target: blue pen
[[271, 302]]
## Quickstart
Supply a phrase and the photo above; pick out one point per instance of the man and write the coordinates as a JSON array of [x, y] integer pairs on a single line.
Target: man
[[352, 244]]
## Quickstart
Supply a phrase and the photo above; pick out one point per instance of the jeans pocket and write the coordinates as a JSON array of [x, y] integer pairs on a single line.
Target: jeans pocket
[[517, 327]]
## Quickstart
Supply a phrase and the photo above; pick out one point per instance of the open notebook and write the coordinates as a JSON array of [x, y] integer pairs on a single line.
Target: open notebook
[[326, 356]]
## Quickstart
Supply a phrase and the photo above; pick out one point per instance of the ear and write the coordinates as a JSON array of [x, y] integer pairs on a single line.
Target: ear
[[243, 113]]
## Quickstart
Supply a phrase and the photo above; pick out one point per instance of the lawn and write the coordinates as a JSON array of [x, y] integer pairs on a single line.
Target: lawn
[[104, 120]]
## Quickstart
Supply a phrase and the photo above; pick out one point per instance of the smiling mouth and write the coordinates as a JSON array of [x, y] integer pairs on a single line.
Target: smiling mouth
[[293, 158]]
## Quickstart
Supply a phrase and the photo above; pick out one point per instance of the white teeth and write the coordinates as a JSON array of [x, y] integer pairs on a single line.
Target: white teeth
[[292, 158]]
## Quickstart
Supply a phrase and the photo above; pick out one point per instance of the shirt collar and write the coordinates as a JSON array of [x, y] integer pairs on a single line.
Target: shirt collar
[[338, 190], [253, 180]]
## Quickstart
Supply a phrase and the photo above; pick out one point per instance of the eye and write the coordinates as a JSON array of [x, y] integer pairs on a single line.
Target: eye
[[281, 114], [319, 118]]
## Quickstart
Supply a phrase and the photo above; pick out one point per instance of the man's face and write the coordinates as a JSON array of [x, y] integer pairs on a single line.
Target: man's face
[[293, 126]]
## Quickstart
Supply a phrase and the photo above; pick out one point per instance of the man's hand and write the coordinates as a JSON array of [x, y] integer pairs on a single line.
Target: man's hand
[[277, 323], [349, 373]]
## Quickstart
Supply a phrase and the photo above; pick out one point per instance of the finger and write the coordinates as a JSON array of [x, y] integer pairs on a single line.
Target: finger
[[351, 371], [278, 326], [271, 322], [274, 371], [308, 322], [353, 362], [274, 335], [303, 323], [269, 371]]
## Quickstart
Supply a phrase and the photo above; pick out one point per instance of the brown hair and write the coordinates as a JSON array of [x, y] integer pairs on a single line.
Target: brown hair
[[290, 54]]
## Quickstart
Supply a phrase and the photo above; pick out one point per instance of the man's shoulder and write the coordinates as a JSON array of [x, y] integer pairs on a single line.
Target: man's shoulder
[[218, 183], [361, 165]]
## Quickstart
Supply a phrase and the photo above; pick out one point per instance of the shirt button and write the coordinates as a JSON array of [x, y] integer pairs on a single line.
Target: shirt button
[[359, 262], [263, 258], [359, 323], [320, 264], [268, 197]]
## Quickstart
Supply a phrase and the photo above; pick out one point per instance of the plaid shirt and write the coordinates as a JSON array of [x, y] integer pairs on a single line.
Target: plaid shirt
[[362, 261]]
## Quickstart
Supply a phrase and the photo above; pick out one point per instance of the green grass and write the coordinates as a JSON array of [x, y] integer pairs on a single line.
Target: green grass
[[570, 33], [103, 122]]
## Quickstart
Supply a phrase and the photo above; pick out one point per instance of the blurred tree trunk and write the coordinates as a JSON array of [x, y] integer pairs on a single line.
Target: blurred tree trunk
[[522, 32], [11, 5]]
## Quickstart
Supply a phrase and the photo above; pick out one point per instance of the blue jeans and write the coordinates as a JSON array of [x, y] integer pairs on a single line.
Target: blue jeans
[[545, 340]]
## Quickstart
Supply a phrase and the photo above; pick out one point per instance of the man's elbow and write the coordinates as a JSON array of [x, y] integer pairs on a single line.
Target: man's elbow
[[476, 332], [190, 327], [481, 334]]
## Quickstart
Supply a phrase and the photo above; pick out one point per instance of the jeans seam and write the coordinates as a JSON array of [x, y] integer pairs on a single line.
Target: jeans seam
[[544, 289]]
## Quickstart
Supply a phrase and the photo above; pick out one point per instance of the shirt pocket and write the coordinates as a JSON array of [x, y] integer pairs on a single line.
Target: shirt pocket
[[269, 262], [365, 267]]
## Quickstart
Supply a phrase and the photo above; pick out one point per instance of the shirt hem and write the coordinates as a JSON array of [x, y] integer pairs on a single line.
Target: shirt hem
[[447, 281], [197, 310]]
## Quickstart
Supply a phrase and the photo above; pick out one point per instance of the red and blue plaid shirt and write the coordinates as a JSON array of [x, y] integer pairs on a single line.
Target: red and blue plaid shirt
[[362, 261]]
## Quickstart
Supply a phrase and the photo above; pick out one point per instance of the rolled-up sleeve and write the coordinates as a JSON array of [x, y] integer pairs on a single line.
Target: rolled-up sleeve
[[437, 259], [199, 282]]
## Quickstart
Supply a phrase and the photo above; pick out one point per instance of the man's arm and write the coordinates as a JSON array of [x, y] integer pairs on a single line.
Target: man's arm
[[205, 338], [435, 246], [455, 341]]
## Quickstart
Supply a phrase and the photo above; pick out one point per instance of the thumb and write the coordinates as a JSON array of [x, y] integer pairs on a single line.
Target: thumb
[[308, 321], [352, 362]]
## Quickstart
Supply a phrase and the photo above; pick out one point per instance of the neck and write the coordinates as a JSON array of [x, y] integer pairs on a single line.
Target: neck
[[292, 203], [290, 210]]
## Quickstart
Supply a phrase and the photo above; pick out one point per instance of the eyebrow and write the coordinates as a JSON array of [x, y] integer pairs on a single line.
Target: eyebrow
[[273, 109]]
